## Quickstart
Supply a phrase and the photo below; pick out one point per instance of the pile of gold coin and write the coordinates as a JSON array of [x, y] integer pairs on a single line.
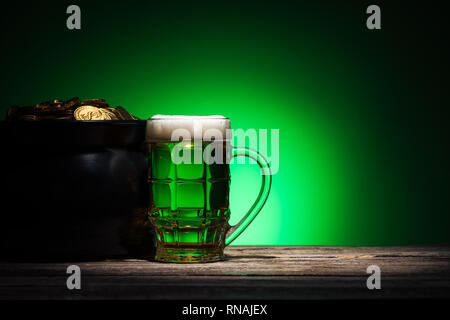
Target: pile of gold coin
[[73, 109]]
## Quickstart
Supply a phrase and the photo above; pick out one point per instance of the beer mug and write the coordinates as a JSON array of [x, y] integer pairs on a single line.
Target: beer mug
[[189, 178]]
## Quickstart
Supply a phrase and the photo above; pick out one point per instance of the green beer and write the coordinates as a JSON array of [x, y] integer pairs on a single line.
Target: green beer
[[189, 183], [189, 203]]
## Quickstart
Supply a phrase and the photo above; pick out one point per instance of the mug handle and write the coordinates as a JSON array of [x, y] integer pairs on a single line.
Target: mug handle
[[237, 229]]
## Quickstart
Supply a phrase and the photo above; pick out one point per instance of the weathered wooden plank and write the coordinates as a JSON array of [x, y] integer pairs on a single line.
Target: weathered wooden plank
[[278, 261], [248, 273], [305, 288]]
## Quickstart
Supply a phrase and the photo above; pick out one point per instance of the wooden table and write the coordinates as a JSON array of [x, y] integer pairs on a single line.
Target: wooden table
[[306, 272]]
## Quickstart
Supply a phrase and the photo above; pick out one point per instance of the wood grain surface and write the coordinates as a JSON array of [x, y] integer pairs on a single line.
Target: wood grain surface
[[303, 272]]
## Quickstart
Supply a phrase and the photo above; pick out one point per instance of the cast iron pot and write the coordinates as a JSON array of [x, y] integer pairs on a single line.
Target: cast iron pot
[[74, 190]]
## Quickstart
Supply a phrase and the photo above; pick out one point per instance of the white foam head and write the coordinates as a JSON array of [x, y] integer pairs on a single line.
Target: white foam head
[[171, 128]]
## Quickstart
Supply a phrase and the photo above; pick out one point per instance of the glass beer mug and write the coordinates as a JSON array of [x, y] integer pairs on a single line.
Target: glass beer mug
[[189, 179]]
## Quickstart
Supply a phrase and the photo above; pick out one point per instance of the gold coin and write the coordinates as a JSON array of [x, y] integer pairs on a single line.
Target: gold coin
[[90, 113], [111, 113]]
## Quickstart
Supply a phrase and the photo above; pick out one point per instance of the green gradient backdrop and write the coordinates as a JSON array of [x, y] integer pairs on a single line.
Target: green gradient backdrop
[[363, 128]]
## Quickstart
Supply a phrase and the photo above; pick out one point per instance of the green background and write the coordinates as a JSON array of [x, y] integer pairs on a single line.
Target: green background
[[362, 114]]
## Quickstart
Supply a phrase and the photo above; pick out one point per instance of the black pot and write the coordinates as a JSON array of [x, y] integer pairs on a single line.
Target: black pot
[[74, 190]]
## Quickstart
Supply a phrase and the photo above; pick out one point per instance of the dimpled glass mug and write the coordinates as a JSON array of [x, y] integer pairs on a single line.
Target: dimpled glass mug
[[189, 178]]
